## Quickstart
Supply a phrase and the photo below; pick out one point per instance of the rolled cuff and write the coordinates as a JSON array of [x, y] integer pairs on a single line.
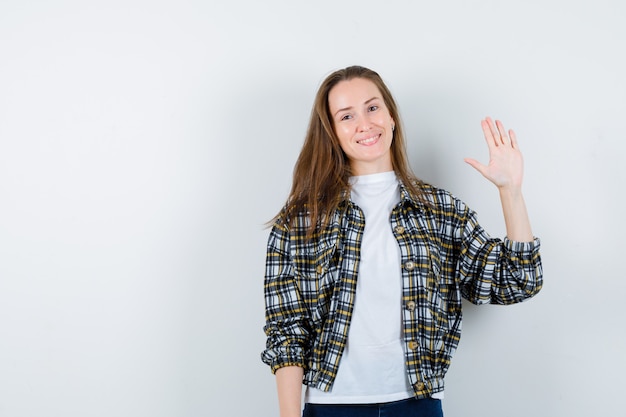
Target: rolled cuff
[[522, 248], [282, 356]]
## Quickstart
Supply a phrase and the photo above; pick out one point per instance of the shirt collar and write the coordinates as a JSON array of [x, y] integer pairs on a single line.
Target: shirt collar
[[405, 197]]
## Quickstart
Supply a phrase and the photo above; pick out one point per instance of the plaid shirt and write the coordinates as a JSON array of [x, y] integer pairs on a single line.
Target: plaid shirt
[[310, 285]]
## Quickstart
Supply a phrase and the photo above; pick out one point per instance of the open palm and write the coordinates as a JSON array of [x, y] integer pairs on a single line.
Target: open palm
[[506, 166]]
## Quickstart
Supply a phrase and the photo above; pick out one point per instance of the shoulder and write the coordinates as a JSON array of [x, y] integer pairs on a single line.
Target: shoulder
[[295, 224], [443, 202], [290, 218], [432, 195]]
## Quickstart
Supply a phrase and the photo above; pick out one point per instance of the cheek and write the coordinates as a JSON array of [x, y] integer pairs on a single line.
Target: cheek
[[386, 120], [342, 132]]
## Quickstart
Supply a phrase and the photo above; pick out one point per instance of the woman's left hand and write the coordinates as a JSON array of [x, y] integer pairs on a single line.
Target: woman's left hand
[[506, 165]]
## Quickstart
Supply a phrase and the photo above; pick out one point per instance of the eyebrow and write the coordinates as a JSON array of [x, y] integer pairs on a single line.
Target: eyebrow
[[348, 108]]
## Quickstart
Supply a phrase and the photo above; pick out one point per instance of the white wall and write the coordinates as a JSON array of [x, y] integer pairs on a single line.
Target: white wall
[[143, 144]]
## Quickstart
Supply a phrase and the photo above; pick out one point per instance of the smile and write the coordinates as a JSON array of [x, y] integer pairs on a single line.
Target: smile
[[368, 141]]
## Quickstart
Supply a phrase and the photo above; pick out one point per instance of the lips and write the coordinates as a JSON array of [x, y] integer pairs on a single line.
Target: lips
[[368, 141]]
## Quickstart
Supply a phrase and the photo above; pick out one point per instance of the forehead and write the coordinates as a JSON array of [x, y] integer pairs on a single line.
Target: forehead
[[352, 93]]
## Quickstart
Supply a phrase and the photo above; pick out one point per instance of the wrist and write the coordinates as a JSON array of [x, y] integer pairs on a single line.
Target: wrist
[[510, 191]]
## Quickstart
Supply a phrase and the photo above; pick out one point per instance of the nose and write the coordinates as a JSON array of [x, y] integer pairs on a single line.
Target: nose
[[364, 124]]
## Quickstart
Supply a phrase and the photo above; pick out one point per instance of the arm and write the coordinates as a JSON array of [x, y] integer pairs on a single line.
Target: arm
[[289, 387], [509, 272], [494, 271], [287, 324], [505, 170]]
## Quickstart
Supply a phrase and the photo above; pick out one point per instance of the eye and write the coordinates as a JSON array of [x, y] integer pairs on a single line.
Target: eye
[[373, 107], [346, 117]]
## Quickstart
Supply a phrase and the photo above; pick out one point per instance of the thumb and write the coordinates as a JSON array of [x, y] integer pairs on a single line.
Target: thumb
[[476, 165]]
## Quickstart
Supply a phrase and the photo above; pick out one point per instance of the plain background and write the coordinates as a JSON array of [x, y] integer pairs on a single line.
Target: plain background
[[144, 144]]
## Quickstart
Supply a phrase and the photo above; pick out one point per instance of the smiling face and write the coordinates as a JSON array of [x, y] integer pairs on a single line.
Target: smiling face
[[363, 125]]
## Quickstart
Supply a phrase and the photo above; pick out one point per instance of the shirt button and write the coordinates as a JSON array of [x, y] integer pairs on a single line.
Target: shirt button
[[319, 269], [410, 305], [420, 386], [399, 229], [413, 345], [409, 266]]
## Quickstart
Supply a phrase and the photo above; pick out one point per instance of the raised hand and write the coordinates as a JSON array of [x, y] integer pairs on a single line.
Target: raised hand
[[506, 166]]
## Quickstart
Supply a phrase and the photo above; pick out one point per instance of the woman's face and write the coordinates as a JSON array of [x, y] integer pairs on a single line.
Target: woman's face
[[363, 125]]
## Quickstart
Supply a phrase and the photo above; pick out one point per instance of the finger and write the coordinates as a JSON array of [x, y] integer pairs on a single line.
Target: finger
[[513, 139], [488, 132], [476, 165], [495, 129], [492, 127], [504, 139]]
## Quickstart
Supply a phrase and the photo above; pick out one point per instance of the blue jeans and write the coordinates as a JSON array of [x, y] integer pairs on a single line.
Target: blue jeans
[[410, 407]]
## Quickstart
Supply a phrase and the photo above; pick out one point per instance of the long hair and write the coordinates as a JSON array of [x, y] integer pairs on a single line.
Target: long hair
[[322, 171]]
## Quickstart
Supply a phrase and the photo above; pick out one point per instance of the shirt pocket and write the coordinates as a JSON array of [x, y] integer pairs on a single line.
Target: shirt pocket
[[445, 301], [438, 289], [317, 274]]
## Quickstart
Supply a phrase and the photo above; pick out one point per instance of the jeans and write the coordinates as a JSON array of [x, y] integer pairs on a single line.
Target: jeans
[[410, 407]]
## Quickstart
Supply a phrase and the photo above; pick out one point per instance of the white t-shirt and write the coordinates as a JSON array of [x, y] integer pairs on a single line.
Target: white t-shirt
[[372, 367]]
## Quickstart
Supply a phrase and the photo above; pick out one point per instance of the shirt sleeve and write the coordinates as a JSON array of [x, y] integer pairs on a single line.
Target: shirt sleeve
[[497, 271], [287, 325]]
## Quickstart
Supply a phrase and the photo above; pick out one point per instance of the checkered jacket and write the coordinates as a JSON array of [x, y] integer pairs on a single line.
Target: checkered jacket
[[310, 285]]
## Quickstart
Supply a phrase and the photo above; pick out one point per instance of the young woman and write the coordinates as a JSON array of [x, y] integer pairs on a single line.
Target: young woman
[[366, 265]]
